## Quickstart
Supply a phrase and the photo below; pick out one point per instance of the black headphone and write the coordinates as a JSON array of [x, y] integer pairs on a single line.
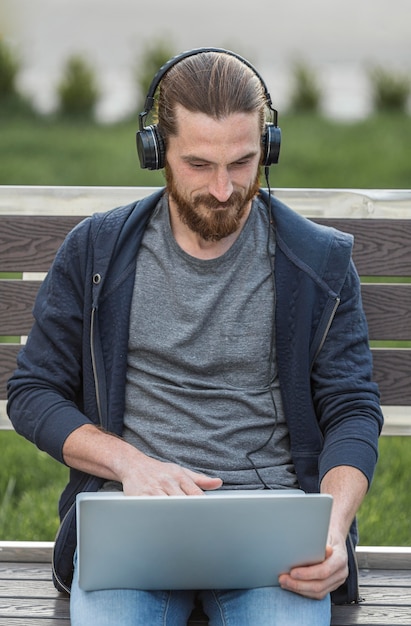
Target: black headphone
[[150, 143]]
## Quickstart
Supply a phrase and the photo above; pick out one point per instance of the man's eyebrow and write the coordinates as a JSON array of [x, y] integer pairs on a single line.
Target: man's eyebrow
[[192, 157]]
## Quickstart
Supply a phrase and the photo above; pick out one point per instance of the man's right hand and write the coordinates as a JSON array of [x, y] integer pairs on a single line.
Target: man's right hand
[[91, 450], [156, 478]]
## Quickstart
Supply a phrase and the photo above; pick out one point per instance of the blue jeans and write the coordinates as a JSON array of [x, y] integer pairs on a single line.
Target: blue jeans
[[267, 606]]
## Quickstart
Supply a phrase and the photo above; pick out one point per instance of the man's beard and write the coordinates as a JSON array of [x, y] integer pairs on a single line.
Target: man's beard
[[205, 215]]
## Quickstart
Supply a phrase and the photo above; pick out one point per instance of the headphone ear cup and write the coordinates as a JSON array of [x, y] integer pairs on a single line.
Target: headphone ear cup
[[271, 141], [150, 148]]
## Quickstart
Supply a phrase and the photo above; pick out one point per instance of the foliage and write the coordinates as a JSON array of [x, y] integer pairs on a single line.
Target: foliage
[[318, 152], [31, 482], [9, 67], [67, 151], [384, 516], [315, 152], [390, 90], [78, 91], [154, 57], [30, 485], [306, 94]]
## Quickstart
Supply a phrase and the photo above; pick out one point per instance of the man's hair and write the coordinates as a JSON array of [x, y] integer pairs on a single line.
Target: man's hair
[[214, 83]]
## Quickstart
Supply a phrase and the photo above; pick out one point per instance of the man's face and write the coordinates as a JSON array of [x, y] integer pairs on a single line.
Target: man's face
[[212, 170]]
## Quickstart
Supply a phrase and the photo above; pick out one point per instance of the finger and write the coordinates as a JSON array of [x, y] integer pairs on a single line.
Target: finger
[[205, 482]]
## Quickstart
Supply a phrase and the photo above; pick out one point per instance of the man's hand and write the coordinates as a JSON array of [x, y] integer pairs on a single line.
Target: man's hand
[[348, 487], [316, 581], [102, 454], [155, 478]]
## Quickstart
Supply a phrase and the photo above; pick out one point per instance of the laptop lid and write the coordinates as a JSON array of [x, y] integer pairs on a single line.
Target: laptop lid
[[225, 540]]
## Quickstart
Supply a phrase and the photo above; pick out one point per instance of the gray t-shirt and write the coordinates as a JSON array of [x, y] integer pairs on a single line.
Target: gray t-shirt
[[202, 388]]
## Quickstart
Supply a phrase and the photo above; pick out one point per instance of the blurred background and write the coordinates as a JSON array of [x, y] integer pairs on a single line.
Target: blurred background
[[340, 40]]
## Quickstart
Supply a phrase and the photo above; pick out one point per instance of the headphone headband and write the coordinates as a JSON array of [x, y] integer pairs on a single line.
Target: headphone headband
[[150, 145], [149, 102]]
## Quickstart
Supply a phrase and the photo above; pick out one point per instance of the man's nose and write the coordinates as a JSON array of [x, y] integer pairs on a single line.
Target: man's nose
[[221, 186]]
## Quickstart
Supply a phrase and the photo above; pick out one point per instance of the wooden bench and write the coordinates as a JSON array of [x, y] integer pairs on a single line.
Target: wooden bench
[[34, 221]]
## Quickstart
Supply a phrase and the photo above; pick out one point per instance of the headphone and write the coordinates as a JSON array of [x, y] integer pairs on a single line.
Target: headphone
[[150, 143]]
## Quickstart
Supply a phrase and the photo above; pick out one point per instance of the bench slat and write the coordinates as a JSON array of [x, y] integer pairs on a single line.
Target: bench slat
[[24, 621], [31, 588], [379, 248], [392, 369], [378, 595], [387, 308], [29, 242], [363, 615], [57, 607], [25, 571], [386, 600], [16, 304]]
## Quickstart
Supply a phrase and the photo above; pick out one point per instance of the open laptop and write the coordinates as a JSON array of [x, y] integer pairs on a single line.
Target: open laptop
[[223, 540]]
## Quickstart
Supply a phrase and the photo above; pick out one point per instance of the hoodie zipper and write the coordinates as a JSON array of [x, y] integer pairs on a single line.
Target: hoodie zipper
[[337, 301], [94, 364]]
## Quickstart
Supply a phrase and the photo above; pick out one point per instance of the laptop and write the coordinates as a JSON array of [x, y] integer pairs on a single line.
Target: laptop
[[222, 540]]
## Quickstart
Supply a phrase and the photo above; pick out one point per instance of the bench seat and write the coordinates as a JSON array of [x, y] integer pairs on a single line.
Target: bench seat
[[28, 597]]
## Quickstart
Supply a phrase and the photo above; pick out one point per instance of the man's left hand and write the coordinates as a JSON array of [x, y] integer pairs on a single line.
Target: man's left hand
[[316, 581]]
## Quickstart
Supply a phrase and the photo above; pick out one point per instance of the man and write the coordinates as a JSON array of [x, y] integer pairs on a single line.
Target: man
[[206, 337]]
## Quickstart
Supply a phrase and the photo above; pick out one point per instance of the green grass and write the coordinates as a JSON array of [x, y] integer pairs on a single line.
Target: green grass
[[384, 516], [31, 483], [373, 153], [30, 486], [315, 152], [51, 152]]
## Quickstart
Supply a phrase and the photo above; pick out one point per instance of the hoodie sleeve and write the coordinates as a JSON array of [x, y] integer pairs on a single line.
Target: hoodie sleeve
[[345, 397], [45, 390]]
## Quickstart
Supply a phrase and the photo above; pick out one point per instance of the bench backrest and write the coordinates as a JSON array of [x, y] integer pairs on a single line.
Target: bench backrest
[[35, 220]]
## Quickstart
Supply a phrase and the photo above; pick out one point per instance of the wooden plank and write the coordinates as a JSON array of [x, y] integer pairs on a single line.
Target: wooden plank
[[30, 589], [310, 202], [28, 243], [380, 613], [386, 600], [57, 607], [385, 558], [385, 578], [342, 616], [70, 200], [386, 595], [364, 615], [379, 245], [25, 571], [25, 621], [392, 372], [26, 551], [392, 368], [387, 308], [16, 304], [8, 356], [378, 248]]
